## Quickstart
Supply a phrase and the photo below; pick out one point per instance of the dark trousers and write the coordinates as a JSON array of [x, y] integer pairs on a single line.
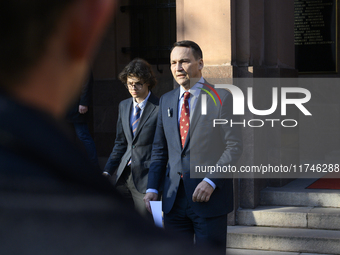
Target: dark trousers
[[186, 224], [83, 133]]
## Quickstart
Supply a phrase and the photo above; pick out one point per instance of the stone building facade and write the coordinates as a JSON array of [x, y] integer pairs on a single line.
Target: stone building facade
[[241, 40]]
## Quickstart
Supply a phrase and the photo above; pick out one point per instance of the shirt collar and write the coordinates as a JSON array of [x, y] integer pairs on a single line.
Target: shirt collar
[[194, 90], [142, 104]]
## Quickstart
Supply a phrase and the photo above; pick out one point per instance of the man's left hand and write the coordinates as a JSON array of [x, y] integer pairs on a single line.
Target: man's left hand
[[202, 192]]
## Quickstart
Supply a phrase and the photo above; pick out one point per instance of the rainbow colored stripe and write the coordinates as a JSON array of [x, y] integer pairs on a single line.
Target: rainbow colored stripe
[[213, 90]]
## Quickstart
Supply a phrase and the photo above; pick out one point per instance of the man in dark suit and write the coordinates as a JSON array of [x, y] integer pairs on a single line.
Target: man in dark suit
[[193, 206], [78, 116], [52, 201], [130, 157]]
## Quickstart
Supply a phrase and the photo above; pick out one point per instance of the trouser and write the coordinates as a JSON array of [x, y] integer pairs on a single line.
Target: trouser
[[83, 133], [127, 188], [187, 224]]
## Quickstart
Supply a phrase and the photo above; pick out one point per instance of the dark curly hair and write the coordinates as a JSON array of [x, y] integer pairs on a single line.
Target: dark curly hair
[[141, 69]]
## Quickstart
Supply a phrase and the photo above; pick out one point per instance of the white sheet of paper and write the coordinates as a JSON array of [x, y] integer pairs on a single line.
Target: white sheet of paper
[[156, 208]]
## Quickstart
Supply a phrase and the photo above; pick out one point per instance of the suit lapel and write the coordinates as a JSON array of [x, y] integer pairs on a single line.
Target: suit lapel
[[173, 120], [196, 115], [126, 119]]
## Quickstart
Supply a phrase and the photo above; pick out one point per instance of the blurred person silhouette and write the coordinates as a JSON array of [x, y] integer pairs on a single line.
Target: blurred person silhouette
[[78, 118], [52, 201]]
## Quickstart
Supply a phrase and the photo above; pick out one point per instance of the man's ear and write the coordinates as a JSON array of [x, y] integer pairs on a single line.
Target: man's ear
[[86, 25], [200, 64]]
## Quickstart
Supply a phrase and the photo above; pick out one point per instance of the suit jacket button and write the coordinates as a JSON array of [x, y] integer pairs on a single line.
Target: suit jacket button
[[184, 155]]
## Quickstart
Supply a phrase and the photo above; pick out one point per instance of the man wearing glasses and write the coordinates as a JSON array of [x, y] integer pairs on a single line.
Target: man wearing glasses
[[136, 125]]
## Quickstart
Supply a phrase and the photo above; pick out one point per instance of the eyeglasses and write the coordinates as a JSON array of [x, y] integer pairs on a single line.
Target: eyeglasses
[[137, 85]]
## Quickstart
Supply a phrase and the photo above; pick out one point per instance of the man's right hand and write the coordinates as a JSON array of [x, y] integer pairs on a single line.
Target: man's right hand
[[150, 196]]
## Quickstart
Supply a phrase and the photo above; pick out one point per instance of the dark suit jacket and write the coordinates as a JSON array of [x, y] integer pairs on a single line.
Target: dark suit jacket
[[137, 147], [53, 202], [205, 145], [73, 114]]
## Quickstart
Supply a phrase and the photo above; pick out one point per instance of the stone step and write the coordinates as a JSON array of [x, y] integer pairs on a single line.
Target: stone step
[[231, 251], [294, 217], [295, 194], [284, 239], [270, 196]]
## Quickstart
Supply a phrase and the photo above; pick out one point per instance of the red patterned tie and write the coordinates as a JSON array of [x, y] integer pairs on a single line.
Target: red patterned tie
[[184, 122]]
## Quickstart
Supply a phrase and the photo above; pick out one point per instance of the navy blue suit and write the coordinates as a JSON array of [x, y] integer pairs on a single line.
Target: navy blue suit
[[221, 145]]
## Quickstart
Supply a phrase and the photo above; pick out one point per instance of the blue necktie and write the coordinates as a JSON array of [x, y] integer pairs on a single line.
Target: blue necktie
[[135, 120], [134, 124]]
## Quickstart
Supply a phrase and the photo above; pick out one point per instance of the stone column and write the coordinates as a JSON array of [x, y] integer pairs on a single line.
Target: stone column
[[209, 25], [264, 48]]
